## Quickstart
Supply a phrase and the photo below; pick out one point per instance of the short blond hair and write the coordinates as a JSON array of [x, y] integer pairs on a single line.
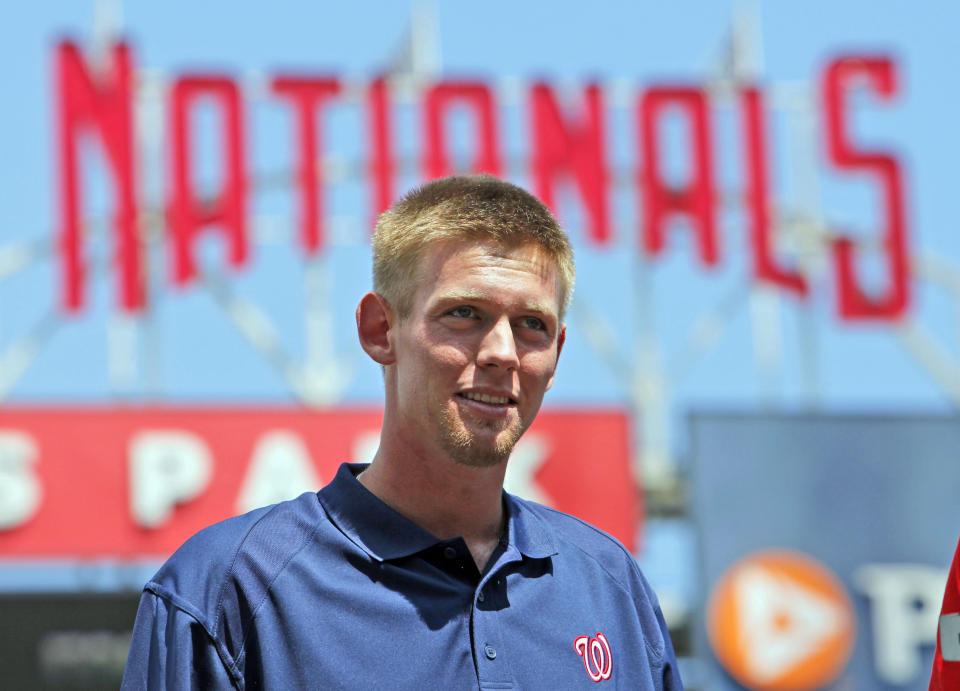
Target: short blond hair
[[462, 207]]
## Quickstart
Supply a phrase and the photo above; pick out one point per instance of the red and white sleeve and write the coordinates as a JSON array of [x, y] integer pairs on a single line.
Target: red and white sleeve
[[946, 663]]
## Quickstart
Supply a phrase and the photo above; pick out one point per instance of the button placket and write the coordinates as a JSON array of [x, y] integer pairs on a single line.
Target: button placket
[[493, 660]]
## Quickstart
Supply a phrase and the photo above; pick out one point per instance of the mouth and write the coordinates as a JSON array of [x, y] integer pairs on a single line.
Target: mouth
[[487, 399]]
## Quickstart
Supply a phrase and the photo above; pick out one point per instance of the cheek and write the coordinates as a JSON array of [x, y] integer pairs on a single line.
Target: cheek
[[539, 366], [451, 357], [446, 354], [439, 367]]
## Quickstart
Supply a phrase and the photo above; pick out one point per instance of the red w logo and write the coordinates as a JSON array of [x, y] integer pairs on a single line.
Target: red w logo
[[595, 652]]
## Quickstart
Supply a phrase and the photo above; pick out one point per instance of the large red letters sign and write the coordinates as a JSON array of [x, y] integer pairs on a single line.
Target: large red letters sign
[[126, 483], [566, 144]]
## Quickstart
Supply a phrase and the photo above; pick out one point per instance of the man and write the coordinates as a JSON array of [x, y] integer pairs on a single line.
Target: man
[[946, 662], [418, 571]]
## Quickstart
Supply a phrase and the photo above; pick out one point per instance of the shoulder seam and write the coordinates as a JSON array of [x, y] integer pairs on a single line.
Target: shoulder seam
[[266, 593], [233, 563], [187, 608], [659, 655], [253, 613]]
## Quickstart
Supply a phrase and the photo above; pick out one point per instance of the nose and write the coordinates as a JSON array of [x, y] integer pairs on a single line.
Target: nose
[[498, 347]]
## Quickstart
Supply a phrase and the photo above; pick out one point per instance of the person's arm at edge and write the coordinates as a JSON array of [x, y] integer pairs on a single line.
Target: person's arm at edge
[[946, 673], [670, 670]]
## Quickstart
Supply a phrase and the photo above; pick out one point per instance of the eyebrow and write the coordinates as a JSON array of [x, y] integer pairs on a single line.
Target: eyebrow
[[479, 296]]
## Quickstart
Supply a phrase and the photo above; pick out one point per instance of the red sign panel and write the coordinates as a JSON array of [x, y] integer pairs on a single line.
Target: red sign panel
[[124, 483]]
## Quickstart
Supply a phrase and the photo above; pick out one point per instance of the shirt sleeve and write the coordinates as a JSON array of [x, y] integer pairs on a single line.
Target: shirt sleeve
[[655, 630], [171, 649], [946, 661], [671, 673]]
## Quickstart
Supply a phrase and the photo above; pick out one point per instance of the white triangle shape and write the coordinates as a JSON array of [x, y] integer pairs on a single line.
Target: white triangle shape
[[280, 468], [781, 622]]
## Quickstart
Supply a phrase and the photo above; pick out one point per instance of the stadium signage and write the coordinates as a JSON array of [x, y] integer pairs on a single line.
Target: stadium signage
[[779, 620], [123, 483], [825, 524], [564, 146]]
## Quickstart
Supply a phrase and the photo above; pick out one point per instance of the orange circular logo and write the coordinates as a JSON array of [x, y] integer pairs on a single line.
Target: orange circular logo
[[780, 621]]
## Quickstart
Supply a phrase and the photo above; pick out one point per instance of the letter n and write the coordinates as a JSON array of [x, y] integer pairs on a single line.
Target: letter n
[[572, 148], [104, 106]]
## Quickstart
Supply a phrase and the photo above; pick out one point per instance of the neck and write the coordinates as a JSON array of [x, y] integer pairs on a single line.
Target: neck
[[443, 497]]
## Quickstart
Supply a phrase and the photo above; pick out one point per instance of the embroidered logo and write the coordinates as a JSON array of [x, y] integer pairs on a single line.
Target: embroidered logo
[[595, 652]]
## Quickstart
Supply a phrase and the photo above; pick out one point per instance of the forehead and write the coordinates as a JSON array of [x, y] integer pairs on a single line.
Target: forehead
[[450, 268]]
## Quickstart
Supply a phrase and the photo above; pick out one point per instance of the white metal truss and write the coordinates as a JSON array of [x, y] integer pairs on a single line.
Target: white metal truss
[[650, 377]]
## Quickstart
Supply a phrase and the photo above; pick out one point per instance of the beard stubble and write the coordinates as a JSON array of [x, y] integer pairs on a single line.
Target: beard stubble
[[464, 448]]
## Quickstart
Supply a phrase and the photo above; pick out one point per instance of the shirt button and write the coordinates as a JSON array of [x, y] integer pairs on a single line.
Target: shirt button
[[490, 652], [481, 597], [449, 552]]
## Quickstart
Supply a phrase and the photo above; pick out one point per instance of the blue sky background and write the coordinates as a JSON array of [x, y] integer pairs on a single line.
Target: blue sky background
[[634, 43], [637, 44]]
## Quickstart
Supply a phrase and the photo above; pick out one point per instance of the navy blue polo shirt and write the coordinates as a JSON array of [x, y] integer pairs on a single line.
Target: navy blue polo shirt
[[336, 590]]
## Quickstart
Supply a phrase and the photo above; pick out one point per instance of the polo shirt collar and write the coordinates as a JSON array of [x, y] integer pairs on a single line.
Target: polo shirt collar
[[385, 534], [528, 532], [373, 526]]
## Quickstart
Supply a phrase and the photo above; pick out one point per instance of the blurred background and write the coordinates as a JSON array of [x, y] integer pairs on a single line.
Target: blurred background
[[759, 388]]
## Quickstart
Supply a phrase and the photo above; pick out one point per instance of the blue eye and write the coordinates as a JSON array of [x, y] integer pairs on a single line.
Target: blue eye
[[533, 323], [463, 312]]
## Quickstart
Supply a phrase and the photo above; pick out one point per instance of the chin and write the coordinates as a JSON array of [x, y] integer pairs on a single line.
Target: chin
[[478, 443], [479, 450], [478, 458]]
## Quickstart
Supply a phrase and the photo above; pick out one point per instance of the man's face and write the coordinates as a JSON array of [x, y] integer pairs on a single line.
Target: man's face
[[478, 350]]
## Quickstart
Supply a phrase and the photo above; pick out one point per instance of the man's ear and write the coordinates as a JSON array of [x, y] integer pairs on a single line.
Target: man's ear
[[561, 337], [375, 319]]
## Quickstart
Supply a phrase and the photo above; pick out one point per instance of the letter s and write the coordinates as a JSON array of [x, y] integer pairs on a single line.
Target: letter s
[[20, 489], [854, 302]]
